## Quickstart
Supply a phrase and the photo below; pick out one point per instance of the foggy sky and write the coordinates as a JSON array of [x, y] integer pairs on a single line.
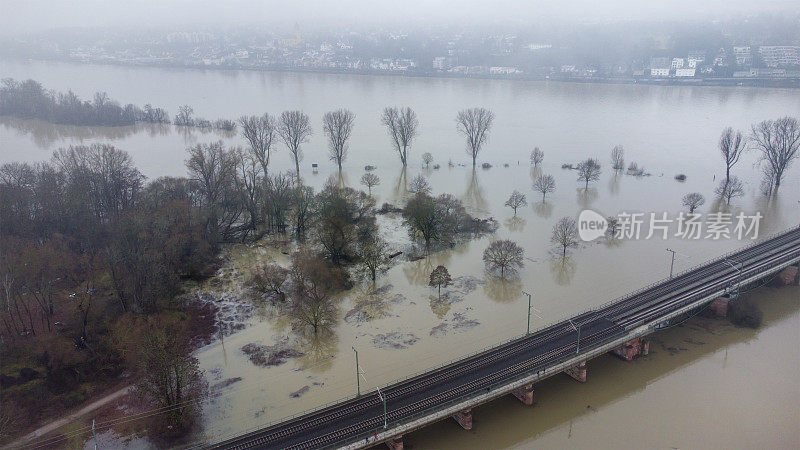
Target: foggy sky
[[20, 16]]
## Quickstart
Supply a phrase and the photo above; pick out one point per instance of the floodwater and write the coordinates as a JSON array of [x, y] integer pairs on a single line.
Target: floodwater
[[404, 328]]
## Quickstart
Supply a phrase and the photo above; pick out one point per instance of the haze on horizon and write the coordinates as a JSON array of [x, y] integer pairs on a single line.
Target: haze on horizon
[[31, 16]]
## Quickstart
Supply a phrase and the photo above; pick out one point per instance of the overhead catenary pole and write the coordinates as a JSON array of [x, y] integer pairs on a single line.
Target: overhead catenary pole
[[672, 264], [358, 382], [529, 312]]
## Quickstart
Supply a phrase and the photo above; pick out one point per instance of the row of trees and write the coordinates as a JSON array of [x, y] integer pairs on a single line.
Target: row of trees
[[29, 100]]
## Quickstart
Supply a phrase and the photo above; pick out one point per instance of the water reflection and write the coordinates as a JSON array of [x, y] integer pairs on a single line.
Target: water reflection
[[563, 269], [440, 305], [474, 197], [46, 135], [515, 224], [400, 186], [535, 172], [502, 290], [543, 209], [586, 197], [613, 183], [319, 351]]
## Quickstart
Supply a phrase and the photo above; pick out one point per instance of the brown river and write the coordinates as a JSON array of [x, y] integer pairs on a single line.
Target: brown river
[[705, 384]]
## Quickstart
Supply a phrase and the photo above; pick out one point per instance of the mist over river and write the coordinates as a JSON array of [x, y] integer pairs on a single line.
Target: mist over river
[[718, 386]]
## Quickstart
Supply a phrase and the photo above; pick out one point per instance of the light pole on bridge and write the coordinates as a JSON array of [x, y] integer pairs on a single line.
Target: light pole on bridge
[[578, 329], [529, 311]]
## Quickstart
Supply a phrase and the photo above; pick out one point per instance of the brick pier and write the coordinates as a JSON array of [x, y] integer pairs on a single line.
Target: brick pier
[[577, 372], [525, 394], [464, 418]]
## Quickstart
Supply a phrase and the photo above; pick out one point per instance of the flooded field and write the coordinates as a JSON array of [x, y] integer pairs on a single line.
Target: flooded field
[[400, 326]]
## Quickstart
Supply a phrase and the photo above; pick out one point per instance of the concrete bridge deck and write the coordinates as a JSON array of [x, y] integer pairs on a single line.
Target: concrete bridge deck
[[512, 367]]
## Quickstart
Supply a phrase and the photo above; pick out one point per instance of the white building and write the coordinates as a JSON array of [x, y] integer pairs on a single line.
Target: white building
[[659, 72], [744, 57], [685, 72], [677, 63], [439, 62], [780, 55]]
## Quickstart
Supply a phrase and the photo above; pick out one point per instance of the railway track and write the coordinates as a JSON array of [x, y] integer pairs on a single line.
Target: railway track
[[353, 419]]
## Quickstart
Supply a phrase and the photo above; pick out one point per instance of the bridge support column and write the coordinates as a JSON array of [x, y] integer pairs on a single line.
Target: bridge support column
[[395, 443], [577, 372], [464, 418], [632, 349], [790, 276], [719, 307], [525, 394]]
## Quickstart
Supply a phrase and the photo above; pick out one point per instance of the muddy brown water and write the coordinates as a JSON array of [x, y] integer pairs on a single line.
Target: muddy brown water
[[693, 397]]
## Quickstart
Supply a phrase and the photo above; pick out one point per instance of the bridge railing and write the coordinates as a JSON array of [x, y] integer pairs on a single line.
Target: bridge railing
[[509, 340]]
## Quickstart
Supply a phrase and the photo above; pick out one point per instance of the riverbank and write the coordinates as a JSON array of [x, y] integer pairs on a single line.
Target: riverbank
[[791, 83]]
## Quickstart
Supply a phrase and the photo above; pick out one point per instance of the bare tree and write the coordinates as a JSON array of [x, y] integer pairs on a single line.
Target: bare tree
[[372, 253], [440, 277], [260, 132], [504, 255], [419, 185], [537, 156], [618, 157], [730, 189], [402, 125], [693, 201], [544, 184], [427, 159], [565, 234], [269, 279], [338, 126], [589, 170], [184, 116], [779, 141], [731, 145], [369, 180], [474, 124], [612, 227], [516, 200], [294, 128]]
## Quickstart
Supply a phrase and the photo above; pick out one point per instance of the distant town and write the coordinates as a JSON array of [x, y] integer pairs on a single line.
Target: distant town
[[714, 56]]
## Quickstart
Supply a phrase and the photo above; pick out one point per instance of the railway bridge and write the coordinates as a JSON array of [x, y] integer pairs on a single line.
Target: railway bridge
[[515, 366]]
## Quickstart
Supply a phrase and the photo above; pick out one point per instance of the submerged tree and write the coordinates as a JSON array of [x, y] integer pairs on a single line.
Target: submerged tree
[[474, 124], [618, 158], [427, 159], [260, 132], [565, 234], [402, 125], [369, 180], [338, 126], [693, 201], [503, 255], [313, 281], [294, 128], [372, 254], [440, 277], [269, 279], [419, 185], [778, 141], [731, 145], [516, 200], [544, 184], [730, 189], [589, 170], [537, 156]]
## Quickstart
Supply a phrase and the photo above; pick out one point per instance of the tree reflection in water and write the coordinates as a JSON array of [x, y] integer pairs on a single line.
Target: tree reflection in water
[[543, 209], [502, 290], [45, 134], [318, 350], [613, 183], [586, 197], [515, 224], [473, 197], [400, 187], [563, 269]]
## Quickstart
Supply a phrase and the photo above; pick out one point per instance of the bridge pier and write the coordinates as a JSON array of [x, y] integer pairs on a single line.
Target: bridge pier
[[464, 418], [632, 349], [525, 394], [577, 372], [790, 276], [395, 443], [719, 307]]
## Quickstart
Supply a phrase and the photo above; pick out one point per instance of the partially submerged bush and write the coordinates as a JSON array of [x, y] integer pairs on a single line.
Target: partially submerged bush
[[743, 313]]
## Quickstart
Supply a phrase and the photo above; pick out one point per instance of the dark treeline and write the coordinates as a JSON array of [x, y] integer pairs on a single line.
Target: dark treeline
[[30, 100]]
